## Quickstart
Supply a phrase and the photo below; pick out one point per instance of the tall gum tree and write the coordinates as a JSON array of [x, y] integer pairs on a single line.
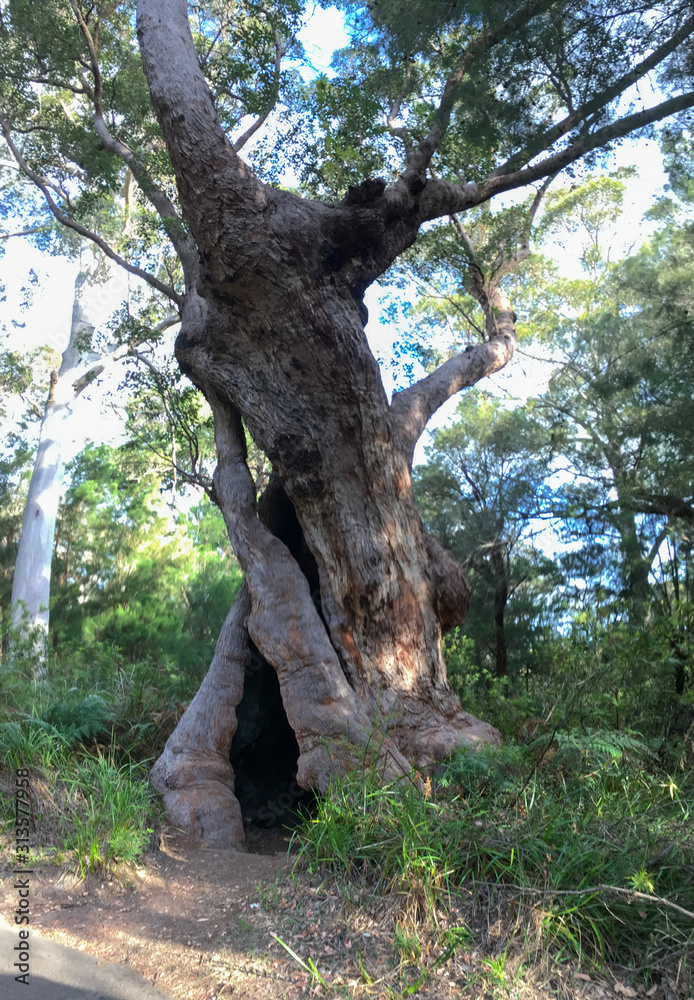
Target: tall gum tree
[[80, 365], [345, 594], [32, 573]]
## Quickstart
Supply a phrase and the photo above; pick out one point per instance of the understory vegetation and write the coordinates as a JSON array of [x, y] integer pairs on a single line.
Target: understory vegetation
[[571, 513], [574, 841], [578, 844]]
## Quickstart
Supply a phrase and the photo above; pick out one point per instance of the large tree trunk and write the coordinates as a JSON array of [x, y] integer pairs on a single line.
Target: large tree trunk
[[348, 608], [31, 585]]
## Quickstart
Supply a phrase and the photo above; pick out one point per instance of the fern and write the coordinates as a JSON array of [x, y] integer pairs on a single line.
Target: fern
[[82, 720], [593, 747]]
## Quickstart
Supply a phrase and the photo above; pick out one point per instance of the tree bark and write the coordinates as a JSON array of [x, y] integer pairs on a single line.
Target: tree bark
[[31, 585], [350, 617], [194, 773]]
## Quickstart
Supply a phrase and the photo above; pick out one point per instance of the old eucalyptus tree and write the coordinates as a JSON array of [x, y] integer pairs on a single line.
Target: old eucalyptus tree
[[436, 108]]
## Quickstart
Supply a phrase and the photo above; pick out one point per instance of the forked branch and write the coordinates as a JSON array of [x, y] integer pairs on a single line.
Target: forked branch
[[600, 101], [441, 197], [43, 185], [420, 157], [159, 200]]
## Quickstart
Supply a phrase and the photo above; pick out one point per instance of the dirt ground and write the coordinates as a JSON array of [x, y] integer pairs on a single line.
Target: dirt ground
[[203, 923]]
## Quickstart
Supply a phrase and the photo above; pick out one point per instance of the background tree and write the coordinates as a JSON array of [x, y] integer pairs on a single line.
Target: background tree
[[132, 578], [617, 405], [477, 493], [82, 361]]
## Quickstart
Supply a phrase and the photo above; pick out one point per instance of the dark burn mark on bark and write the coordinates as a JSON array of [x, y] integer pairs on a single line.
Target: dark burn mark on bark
[[303, 461]]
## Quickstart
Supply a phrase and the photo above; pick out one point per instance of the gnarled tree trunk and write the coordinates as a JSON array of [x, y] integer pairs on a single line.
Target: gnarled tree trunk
[[349, 605]]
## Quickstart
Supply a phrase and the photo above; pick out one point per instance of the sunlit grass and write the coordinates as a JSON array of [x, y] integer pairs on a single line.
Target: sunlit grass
[[568, 844]]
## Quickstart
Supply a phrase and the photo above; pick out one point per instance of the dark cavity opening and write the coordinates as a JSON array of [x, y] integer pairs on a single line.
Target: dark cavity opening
[[264, 752], [264, 755]]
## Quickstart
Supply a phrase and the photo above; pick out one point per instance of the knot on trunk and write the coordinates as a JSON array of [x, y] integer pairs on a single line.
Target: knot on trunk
[[449, 584], [365, 193]]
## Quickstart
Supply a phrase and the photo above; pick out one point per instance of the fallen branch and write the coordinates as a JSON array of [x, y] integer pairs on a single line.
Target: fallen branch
[[601, 887]]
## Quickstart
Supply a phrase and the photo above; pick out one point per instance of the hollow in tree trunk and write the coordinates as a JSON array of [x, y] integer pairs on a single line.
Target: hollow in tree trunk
[[346, 596]]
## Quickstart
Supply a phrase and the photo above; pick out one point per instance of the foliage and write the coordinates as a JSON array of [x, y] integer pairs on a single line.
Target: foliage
[[565, 836], [129, 577], [477, 493], [100, 810], [617, 403]]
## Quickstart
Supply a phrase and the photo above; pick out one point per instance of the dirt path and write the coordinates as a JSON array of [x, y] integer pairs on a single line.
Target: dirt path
[[194, 922], [198, 923]]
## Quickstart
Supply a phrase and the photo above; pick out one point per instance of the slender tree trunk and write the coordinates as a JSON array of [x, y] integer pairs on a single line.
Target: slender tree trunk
[[499, 560], [31, 585]]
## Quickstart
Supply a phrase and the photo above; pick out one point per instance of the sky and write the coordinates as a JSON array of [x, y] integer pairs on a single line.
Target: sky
[[47, 320]]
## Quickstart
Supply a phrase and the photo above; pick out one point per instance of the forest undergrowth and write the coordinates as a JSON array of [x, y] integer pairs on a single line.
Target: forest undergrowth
[[571, 845]]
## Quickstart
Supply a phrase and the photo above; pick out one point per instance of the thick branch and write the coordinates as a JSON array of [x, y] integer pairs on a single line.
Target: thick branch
[[413, 407], [209, 174], [663, 505], [441, 197], [548, 138], [420, 157], [42, 184]]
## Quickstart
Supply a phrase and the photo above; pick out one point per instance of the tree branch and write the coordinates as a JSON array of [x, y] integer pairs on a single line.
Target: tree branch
[[413, 407], [25, 232], [106, 358], [420, 157], [441, 197], [548, 138], [162, 204], [190, 124], [617, 130], [42, 184], [601, 887], [401, 133], [259, 122]]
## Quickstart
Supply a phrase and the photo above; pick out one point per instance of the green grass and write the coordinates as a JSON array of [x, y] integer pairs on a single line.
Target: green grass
[[567, 843], [93, 802], [114, 807]]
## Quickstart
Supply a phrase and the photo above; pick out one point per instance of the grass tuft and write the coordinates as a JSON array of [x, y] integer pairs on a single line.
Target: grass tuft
[[590, 854]]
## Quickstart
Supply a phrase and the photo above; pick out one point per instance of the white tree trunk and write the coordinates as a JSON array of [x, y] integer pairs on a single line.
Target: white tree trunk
[[32, 575]]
